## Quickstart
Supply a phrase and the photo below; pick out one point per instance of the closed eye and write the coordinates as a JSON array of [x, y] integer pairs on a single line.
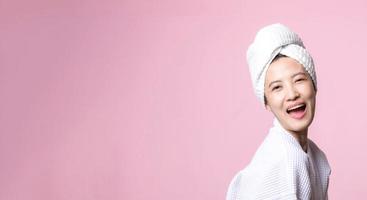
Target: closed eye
[[275, 88]]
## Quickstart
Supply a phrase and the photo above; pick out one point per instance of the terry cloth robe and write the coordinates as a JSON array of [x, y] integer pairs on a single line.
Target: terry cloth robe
[[280, 169]]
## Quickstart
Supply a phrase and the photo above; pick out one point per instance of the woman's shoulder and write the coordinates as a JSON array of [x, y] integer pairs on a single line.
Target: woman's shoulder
[[270, 151], [266, 172]]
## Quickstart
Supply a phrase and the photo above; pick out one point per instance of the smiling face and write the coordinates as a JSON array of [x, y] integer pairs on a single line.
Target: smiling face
[[290, 94]]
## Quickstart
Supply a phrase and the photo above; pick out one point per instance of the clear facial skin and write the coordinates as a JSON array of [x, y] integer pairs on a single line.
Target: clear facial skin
[[287, 84]]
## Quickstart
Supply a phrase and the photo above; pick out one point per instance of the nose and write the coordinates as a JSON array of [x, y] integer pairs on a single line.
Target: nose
[[292, 94]]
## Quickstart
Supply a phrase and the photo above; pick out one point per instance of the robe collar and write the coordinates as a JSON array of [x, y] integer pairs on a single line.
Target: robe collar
[[290, 137]]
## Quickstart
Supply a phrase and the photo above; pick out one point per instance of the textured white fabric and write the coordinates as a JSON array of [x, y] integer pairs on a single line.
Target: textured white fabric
[[280, 169], [269, 42]]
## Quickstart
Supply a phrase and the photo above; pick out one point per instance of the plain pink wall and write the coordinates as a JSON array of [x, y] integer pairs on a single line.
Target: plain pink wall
[[139, 100]]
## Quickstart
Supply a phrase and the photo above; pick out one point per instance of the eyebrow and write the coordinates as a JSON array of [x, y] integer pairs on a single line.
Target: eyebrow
[[298, 73]]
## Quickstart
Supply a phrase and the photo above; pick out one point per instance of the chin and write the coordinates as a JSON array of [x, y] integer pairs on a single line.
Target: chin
[[299, 128], [296, 125], [299, 125]]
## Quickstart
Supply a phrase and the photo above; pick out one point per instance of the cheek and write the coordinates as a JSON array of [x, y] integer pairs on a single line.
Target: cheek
[[276, 100], [308, 92]]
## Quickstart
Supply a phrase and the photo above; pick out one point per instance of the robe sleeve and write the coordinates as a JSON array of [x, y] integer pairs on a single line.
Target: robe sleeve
[[234, 187]]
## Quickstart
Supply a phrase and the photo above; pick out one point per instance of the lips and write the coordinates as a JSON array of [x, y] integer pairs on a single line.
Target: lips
[[297, 111], [296, 107]]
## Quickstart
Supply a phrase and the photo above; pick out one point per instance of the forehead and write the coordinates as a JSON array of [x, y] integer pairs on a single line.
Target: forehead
[[282, 68]]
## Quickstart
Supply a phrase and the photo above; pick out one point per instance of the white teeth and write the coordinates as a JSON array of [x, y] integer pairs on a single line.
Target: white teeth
[[295, 107]]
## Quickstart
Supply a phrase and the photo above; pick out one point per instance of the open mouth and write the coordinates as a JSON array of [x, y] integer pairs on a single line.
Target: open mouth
[[298, 111]]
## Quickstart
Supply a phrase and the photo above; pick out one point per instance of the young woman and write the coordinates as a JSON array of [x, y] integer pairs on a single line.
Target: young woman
[[287, 165]]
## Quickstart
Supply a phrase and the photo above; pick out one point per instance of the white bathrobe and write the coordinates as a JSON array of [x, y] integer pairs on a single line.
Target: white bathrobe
[[280, 169]]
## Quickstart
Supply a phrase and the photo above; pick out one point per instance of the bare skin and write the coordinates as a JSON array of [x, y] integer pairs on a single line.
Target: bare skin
[[288, 84]]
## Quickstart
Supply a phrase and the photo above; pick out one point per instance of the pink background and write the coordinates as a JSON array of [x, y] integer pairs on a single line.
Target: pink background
[[141, 100]]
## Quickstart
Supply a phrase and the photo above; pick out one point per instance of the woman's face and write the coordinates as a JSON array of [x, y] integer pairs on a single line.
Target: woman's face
[[290, 94]]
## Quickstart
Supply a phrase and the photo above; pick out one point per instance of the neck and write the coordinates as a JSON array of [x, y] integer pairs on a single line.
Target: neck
[[301, 137]]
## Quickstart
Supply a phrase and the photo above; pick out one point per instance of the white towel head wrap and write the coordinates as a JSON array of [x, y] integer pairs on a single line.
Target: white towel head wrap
[[269, 42]]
